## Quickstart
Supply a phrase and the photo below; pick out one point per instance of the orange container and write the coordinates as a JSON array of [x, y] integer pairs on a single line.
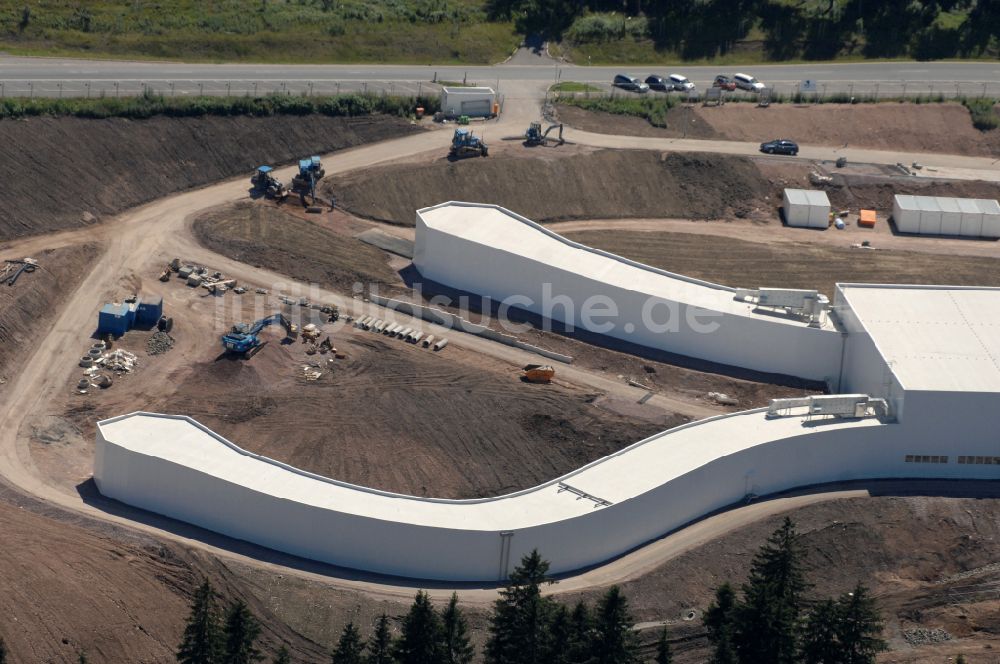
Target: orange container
[[867, 218]]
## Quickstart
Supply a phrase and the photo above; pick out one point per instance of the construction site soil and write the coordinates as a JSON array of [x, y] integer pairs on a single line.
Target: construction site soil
[[69, 172], [939, 127], [28, 307], [742, 263], [264, 235], [606, 184]]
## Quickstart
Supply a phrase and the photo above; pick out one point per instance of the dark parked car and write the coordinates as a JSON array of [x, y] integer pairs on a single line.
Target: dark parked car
[[659, 83], [724, 82], [780, 146], [632, 83]]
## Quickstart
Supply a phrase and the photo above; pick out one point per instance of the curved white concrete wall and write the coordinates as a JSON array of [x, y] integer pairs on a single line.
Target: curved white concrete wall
[[495, 253], [173, 466]]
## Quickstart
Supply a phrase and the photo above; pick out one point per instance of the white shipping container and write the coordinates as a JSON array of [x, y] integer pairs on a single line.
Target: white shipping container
[[972, 217], [951, 216], [906, 214], [930, 215], [806, 208], [991, 217]]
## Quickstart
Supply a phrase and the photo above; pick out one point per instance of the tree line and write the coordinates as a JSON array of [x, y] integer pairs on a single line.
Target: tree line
[[708, 28], [772, 620]]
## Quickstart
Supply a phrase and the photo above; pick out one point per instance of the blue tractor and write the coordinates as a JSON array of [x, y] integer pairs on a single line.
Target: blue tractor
[[243, 339], [465, 144], [265, 182], [310, 172]]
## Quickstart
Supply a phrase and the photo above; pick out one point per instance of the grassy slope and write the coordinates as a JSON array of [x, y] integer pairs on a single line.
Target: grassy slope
[[306, 31]]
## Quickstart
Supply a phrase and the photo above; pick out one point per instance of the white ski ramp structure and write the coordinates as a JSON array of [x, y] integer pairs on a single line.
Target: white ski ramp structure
[[918, 369]]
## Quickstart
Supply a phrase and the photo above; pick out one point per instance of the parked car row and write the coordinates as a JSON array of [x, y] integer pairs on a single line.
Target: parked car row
[[678, 83]]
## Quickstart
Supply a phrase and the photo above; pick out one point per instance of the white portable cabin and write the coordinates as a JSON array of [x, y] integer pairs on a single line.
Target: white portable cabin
[[939, 215], [474, 102], [807, 207]]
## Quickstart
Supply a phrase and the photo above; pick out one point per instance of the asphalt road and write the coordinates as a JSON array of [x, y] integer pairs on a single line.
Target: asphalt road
[[55, 76]]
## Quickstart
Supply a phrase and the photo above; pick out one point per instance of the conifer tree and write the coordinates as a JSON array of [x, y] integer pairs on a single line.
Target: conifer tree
[[380, 643], [422, 639], [663, 652], [3, 651], [769, 618], [519, 625], [720, 621], [242, 631], [560, 636], [859, 627], [581, 637], [350, 648], [820, 644], [202, 640], [457, 648], [614, 638], [283, 657]]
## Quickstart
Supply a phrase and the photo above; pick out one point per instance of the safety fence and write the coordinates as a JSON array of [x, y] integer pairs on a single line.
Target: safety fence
[[820, 91], [211, 88]]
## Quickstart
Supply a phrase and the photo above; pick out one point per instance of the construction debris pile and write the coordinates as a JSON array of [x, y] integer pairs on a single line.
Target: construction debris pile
[[13, 268], [99, 362], [159, 343], [119, 361]]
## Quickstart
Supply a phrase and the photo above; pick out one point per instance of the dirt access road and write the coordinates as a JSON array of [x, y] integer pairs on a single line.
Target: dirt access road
[[134, 239]]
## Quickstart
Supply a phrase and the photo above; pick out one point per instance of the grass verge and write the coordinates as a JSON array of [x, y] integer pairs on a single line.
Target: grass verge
[[148, 105], [573, 86], [653, 109]]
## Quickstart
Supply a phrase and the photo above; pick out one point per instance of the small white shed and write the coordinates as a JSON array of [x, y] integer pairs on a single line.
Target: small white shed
[[474, 102], [807, 207]]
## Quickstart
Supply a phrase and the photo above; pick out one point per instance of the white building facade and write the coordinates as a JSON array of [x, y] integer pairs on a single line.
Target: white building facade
[[932, 353]]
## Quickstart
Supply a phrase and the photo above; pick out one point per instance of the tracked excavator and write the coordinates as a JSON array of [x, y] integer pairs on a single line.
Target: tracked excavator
[[535, 135], [243, 339]]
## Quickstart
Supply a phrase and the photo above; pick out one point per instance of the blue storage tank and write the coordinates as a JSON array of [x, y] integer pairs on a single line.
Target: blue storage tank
[[148, 312], [115, 319]]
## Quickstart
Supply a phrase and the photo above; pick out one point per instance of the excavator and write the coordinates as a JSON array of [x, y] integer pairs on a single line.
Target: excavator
[[243, 339], [535, 135]]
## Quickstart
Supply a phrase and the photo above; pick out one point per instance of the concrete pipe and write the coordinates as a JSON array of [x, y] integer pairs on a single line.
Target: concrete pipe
[[86, 361]]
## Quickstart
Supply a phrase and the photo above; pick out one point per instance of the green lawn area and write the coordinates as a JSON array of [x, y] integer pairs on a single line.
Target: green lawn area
[[267, 31], [573, 86]]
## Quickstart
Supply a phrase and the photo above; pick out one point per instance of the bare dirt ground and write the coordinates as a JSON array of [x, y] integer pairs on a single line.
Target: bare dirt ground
[[737, 262], [645, 184], [283, 239], [69, 172], [944, 128]]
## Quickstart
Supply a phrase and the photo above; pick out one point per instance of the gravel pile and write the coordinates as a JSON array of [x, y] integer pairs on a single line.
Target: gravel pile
[[159, 343], [919, 636]]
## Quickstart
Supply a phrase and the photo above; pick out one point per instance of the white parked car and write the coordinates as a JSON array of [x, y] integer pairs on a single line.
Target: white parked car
[[681, 83], [747, 82]]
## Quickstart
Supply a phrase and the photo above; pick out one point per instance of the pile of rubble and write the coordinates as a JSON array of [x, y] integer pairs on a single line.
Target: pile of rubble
[[919, 636], [120, 361], [159, 343]]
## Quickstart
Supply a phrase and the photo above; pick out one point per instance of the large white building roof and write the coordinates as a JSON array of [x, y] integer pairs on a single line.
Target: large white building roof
[[626, 474], [933, 337], [504, 231]]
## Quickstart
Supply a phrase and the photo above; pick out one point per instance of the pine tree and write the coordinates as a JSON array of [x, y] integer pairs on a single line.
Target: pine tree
[[380, 643], [580, 650], [614, 638], [350, 647], [820, 644], [242, 630], [860, 627], [283, 657], [421, 641], [768, 620], [457, 648], [720, 621], [519, 626], [202, 641], [663, 653], [81, 658], [560, 636], [3, 651]]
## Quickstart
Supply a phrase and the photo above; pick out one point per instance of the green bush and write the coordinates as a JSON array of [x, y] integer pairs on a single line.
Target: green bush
[[983, 112], [149, 105]]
